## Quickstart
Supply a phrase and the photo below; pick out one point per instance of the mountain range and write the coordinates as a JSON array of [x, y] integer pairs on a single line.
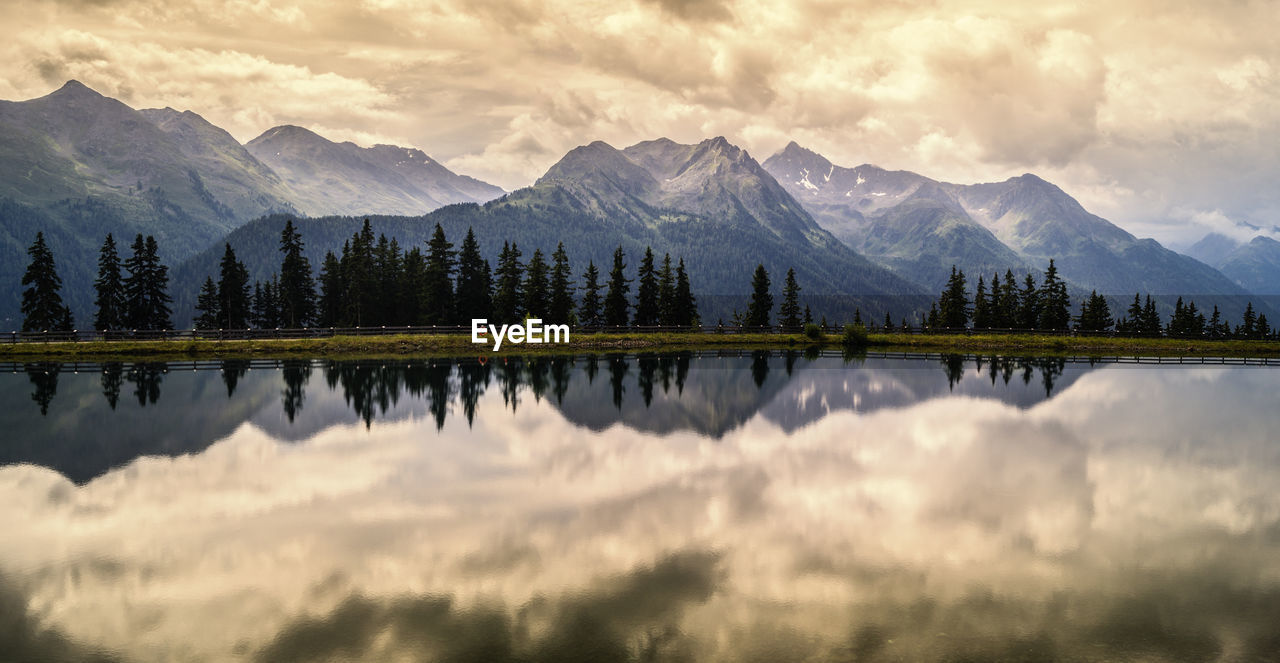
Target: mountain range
[[344, 178], [709, 203], [1253, 265], [920, 227], [77, 165]]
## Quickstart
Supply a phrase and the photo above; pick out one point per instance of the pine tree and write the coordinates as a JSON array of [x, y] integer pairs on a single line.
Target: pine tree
[[109, 287], [233, 292], [1029, 305], [686, 304], [1249, 330], [207, 305], [1150, 319], [1055, 304], [1217, 329], [146, 287], [42, 307], [953, 305], [158, 283], [789, 311], [297, 286], [1174, 328], [761, 300], [1095, 314], [615, 298], [888, 321], [1132, 323], [472, 298], [266, 307], [646, 292], [412, 289], [1195, 321], [981, 308], [1010, 302], [589, 308], [256, 306], [995, 317], [386, 301], [439, 295], [666, 293], [271, 308], [536, 297], [508, 294], [359, 271], [560, 310], [332, 291], [1184, 322]]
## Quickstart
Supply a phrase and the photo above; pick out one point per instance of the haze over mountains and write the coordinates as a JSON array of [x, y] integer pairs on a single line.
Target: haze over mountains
[[1253, 265], [709, 203], [344, 178], [77, 165], [920, 227]]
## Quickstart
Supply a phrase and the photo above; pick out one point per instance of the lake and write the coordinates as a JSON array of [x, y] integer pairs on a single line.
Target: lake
[[737, 506]]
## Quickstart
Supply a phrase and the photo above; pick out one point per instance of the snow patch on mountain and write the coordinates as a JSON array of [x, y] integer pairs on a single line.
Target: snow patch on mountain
[[804, 180]]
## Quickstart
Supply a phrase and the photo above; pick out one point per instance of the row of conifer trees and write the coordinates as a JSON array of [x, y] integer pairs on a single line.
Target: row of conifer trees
[[132, 294], [1048, 307], [372, 282]]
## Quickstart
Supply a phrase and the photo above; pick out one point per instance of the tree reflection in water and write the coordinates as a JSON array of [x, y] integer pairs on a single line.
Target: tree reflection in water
[[146, 379], [371, 389], [44, 382], [112, 377]]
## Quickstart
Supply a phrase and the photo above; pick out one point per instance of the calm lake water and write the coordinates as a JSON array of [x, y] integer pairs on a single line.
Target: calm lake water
[[757, 507]]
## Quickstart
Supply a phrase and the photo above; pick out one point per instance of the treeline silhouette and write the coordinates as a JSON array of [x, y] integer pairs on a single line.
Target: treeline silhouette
[[374, 282], [1006, 305], [372, 389], [132, 295]]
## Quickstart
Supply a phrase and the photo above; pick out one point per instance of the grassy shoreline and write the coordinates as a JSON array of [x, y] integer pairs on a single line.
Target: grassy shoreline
[[460, 344]]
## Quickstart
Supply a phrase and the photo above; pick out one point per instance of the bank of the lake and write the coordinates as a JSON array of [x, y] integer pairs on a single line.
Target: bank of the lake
[[460, 344]]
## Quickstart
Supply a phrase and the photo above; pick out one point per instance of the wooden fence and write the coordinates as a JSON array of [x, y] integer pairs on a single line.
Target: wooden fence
[[81, 336]]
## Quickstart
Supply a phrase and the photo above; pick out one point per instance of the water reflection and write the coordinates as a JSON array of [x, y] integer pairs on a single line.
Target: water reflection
[[753, 506], [645, 392], [372, 389]]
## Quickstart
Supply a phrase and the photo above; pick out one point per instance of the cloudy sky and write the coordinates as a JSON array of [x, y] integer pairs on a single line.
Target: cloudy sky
[[1162, 116]]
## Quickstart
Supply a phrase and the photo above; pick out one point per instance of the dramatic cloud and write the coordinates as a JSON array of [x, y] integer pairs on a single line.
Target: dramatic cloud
[[1153, 114]]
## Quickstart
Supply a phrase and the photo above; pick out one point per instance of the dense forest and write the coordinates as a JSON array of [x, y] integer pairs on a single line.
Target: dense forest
[[714, 251], [374, 282]]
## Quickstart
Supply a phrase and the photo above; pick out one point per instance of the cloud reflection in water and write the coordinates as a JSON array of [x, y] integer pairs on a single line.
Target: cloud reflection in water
[[1133, 515]]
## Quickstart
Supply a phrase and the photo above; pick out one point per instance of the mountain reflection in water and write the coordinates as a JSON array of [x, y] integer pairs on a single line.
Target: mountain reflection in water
[[648, 392], [731, 506]]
